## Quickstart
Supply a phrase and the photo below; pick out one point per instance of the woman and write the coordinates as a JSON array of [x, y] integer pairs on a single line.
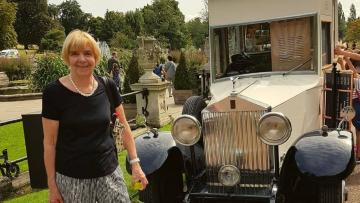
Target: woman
[[347, 63], [79, 152], [116, 76]]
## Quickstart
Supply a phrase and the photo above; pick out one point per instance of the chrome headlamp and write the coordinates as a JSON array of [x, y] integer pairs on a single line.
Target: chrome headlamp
[[274, 128], [229, 175], [186, 130]]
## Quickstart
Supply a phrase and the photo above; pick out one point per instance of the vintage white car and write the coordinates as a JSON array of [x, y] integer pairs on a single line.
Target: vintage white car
[[260, 137]]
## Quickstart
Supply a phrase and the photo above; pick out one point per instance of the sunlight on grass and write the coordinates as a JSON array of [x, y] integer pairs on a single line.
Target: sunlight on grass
[[12, 139]]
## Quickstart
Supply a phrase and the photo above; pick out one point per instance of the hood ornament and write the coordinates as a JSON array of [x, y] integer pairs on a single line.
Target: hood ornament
[[233, 80]]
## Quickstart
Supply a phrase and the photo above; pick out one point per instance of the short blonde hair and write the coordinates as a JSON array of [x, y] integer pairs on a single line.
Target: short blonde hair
[[76, 40]]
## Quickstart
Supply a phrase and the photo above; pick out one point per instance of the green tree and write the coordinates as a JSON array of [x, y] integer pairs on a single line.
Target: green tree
[[198, 31], [205, 12], [341, 21], [53, 40], [71, 16], [353, 30], [182, 74], [95, 27], [132, 75], [352, 15], [164, 20], [121, 40], [32, 21], [134, 23], [7, 19], [113, 22]]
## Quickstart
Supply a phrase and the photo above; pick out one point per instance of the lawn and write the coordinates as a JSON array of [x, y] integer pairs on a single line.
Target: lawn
[[12, 137]]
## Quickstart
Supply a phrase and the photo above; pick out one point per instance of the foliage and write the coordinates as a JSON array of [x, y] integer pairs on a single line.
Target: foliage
[[113, 22], [133, 73], [72, 17], [32, 21], [95, 25], [16, 68], [49, 68], [195, 58], [341, 21], [134, 23], [7, 30], [168, 26], [101, 68], [199, 30], [352, 15], [182, 74], [353, 31], [122, 40], [12, 139], [53, 40]]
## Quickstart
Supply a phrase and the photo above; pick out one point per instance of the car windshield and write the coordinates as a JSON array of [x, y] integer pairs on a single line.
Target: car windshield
[[2, 53], [275, 46]]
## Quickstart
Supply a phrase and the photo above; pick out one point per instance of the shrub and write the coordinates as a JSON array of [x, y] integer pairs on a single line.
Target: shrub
[[101, 68], [133, 73], [184, 79], [49, 68], [53, 40], [16, 68]]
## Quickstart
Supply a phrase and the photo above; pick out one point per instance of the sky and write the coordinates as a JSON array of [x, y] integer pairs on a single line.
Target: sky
[[190, 8], [346, 7]]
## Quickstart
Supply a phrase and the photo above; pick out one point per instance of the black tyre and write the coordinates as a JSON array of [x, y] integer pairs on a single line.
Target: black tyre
[[331, 193], [166, 184], [193, 106]]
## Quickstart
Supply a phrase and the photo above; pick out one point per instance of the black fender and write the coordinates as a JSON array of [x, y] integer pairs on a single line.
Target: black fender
[[314, 160], [325, 157], [154, 151]]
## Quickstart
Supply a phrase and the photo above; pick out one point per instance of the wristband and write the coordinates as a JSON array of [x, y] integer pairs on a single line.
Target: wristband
[[135, 160]]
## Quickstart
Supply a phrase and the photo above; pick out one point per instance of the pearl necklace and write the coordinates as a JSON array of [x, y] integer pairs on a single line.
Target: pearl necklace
[[80, 92]]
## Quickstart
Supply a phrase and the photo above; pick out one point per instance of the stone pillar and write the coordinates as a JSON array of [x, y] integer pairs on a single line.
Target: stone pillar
[[148, 54], [4, 80]]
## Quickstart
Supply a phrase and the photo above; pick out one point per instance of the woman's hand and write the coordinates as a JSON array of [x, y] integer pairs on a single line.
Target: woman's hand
[[138, 175], [54, 195]]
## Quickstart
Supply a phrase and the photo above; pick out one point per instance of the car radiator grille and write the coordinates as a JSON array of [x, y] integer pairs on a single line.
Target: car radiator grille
[[230, 139]]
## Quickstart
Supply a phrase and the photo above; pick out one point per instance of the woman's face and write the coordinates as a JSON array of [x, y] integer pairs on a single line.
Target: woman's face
[[82, 61]]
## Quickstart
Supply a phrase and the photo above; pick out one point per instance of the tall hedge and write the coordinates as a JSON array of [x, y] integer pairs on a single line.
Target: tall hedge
[[183, 79], [132, 75]]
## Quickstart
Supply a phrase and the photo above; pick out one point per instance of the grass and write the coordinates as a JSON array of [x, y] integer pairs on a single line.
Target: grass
[[12, 138]]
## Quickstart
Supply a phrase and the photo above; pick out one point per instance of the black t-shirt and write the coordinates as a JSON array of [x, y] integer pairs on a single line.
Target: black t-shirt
[[85, 147]]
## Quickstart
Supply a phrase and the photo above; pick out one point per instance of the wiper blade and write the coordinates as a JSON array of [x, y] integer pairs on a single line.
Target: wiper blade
[[297, 67]]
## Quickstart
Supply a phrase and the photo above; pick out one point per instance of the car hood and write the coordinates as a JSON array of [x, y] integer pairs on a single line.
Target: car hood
[[271, 90]]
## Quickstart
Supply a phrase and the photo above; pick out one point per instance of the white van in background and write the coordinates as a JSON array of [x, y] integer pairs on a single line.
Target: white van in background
[[9, 53]]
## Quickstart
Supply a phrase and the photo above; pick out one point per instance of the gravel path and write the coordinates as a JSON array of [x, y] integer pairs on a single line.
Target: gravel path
[[353, 185]]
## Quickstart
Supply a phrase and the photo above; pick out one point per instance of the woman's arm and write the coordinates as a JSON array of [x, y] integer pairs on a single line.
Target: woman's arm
[[349, 54], [351, 66], [50, 129], [129, 144]]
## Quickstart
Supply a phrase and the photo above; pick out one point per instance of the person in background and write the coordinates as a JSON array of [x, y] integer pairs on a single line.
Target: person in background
[[111, 61], [347, 63], [169, 72], [79, 151], [158, 70], [116, 76]]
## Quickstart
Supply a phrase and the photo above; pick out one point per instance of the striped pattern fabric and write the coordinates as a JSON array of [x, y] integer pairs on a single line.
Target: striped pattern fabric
[[107, 189], [356, 87]]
